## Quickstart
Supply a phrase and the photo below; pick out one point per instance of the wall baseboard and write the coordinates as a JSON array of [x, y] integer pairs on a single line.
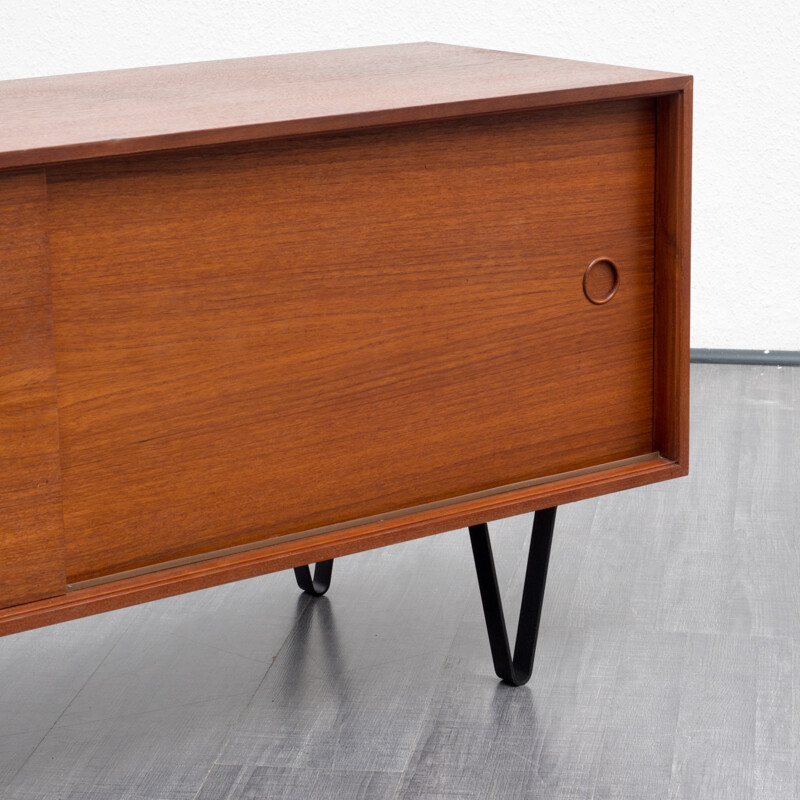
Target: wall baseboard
[[770, 358]]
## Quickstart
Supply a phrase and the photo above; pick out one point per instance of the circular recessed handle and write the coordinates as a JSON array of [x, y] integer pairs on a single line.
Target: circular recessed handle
[[600, 281]]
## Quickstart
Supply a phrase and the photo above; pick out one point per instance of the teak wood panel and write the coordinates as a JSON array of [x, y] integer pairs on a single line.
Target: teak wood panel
[[117, 112], [31, 536], [298, 333], [672, 258]]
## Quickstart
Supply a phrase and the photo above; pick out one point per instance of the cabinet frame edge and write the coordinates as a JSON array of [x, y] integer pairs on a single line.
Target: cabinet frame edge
[[672, 275]]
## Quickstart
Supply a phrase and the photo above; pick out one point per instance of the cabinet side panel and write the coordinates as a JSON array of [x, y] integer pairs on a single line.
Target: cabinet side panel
[[31, 535], [672, 259]]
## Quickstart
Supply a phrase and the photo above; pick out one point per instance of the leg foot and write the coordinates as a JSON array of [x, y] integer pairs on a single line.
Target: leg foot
[[320, 583]]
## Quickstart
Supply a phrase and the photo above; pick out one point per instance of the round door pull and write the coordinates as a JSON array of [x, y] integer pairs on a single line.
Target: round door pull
[[600, 281]]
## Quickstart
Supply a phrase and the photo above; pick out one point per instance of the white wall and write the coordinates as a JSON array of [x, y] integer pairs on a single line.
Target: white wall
[[745, 58]]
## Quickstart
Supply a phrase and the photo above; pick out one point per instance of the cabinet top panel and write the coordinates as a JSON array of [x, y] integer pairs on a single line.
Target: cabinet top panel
[[97, 114]]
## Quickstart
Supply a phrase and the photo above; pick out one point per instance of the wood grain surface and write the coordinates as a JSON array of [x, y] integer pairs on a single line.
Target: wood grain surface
[[66, 117], [31, 536], [287, 335]]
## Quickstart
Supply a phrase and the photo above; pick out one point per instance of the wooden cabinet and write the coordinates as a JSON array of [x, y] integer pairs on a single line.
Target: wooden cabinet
[[265, 312]]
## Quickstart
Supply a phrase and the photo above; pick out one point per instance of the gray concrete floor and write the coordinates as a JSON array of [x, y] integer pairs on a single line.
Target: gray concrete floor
[[668, 662]]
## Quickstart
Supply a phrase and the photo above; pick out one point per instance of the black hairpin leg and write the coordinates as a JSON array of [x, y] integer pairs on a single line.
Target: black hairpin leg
[[319, 584], [517, 670]]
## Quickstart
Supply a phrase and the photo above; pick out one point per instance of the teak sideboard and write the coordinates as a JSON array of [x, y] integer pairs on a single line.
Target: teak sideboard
[[261, 313]]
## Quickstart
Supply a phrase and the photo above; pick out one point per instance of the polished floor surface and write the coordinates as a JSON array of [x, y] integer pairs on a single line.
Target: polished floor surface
[[668, 662]]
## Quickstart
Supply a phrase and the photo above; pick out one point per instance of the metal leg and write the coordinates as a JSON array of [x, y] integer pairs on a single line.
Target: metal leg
[[320, 583], [514, 670]]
